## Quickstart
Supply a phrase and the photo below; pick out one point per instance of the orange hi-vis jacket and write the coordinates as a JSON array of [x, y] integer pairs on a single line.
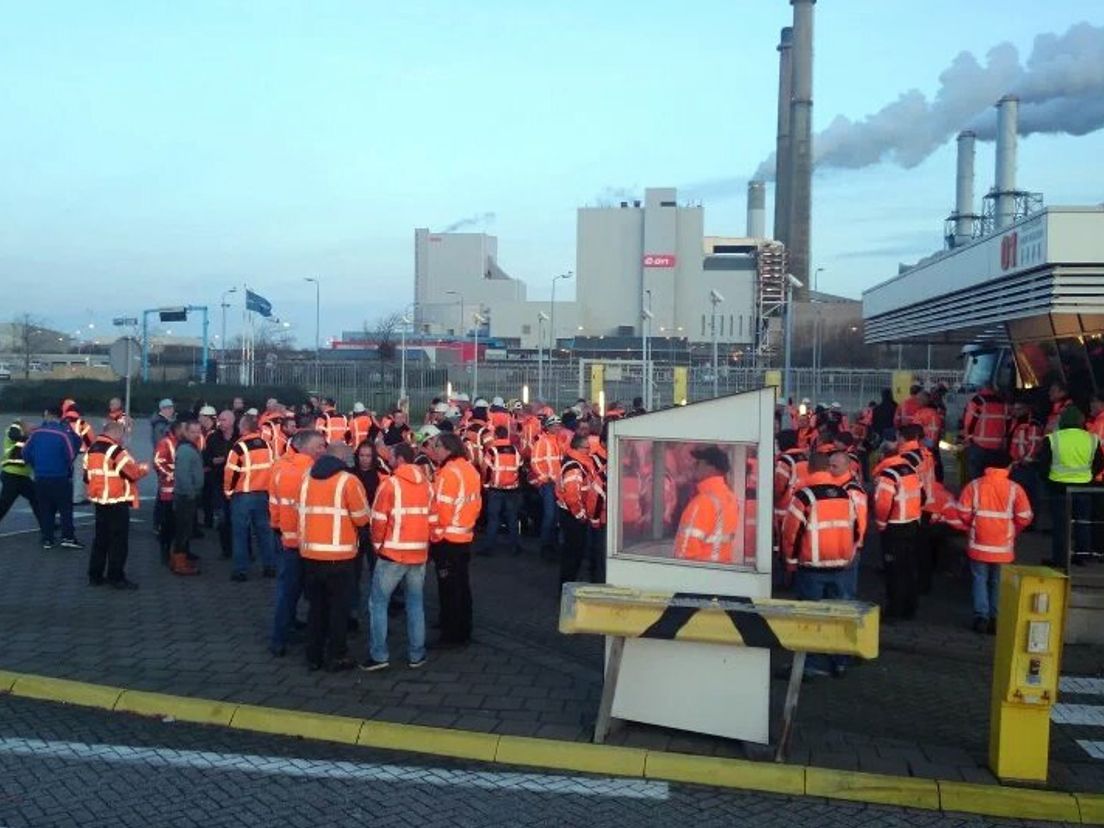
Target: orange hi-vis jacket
[[284, 486], [994, 508], [360, 426], [708, 528], [530, 432], [401, 516], [985, 423], [929, 419], [248, 466], [898, 493], [1055, 415], [821, 528], [273, 433], [920, 459], [164, 463], [943, 507], [113, 474], [596, 497], [334, 426], [457, 502], [790, 468], [329, 511], [1023, 443], [544, 465], [573, 487], [499, 417], [858, 495], [426, 464], [476, 436], [906, 411], [82, 428], [501, 466]]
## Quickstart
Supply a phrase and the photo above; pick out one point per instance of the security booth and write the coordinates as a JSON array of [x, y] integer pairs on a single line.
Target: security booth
[[656, 462]]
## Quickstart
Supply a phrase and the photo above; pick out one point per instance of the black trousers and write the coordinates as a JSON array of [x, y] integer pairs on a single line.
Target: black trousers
[[225, 525], [574, 549], [899, 554], [165, 520], [16, 486], [184, 511], [55, 500], [208, 500], [451, 561], [111, 545], [328, 586]]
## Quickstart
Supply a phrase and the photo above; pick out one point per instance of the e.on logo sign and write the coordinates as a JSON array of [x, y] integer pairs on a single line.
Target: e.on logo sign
[[1008, 251], [659, 260]]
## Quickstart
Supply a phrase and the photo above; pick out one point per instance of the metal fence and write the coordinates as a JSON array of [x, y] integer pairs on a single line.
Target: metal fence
[[562, 382]]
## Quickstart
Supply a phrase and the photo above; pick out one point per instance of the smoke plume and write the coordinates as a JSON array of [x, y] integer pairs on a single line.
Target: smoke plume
[[1060, 86], [470, 221]]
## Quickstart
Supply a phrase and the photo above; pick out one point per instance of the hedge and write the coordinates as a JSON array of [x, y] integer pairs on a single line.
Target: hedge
[[92, 395]]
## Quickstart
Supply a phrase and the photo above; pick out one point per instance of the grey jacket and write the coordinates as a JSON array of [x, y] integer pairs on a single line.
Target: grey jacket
[[189, 471]]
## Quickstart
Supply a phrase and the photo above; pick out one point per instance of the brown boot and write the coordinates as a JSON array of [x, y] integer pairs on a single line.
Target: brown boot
[[180, 565]]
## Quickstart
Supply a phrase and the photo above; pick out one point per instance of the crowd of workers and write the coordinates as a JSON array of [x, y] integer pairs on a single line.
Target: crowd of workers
[[319, 495]]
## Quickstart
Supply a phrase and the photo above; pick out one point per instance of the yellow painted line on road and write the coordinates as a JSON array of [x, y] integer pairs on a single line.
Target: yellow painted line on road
[[1018, 803], [439, 741], [904, 791], [577, 756], [297, 723], [48, 688], [181, 708], [726, 773], [794, 780]]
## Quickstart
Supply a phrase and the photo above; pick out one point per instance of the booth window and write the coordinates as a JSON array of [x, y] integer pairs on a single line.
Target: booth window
[[684, 500]]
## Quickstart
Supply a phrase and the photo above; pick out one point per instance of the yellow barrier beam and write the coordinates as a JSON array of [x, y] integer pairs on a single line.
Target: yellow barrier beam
[[837, 627]]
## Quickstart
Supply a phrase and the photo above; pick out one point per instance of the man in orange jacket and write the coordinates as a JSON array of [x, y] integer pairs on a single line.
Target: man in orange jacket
[[245, 484], [710, 523], [457, 502], [572, 491], [995, 509], [332, 506], [284, 487], [820, 535], [400, 535], [544, 474], [502, 477], [898, 501], [113, 477]]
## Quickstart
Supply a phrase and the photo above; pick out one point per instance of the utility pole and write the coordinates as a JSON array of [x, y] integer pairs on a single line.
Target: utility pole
[[317, 332], [715, 298]]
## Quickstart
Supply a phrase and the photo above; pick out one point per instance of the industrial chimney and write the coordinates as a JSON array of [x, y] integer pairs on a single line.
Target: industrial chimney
[[801, 143], [757, 210], [1004, 185], [964, 190], [782, 143]]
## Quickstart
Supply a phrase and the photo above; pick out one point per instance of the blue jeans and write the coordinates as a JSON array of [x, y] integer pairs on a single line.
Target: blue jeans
[[548, 515], [1082, 530], [985, 588], [823, 585], [55, 498], [289, 586], [386, 577], [502, 506], [249, 513]]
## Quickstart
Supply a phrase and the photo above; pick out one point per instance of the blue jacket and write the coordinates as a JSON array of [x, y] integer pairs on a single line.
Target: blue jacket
[[51, 449]]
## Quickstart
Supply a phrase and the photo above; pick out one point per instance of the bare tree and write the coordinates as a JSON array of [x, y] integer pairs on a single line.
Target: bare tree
[[30, 337], [383, 333]]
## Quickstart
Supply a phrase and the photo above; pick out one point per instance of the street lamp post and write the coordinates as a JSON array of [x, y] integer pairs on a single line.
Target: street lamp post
[[317, 331], [552, 318], [715, 298], [406, 320], [224, 305], [816, 338], [787, 381], [645, 331], [478, 320], [541, 317]]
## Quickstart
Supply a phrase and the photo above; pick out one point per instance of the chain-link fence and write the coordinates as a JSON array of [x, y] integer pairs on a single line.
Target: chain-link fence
[[562, 382]]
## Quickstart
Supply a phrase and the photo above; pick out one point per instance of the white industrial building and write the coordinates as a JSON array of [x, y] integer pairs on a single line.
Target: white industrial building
[[650, 255]]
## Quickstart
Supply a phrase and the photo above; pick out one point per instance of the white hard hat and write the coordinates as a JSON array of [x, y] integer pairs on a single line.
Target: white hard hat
[[358, 408], [441, 408], [453, 412], [461, 397], [426, 432], [836, 405], [480, 403], [208, 411], [498, 401], [252, 412], [806, 401]]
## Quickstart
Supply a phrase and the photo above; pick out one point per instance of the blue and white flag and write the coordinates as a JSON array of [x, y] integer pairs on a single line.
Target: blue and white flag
[[257, 303]]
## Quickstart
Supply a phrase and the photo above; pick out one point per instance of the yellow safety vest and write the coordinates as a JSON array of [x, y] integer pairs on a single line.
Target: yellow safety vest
[[1071, 455]]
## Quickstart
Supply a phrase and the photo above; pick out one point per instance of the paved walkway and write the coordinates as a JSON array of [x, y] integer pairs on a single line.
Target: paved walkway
[[920, 709]]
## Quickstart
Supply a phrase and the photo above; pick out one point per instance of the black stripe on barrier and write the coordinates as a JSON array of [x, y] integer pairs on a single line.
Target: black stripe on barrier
[[752, 628]]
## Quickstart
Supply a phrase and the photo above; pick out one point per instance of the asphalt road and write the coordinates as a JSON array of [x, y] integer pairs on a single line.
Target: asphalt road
[[62, 766]]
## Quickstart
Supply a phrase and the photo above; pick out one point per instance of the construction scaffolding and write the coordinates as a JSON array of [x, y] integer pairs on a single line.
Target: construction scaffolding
[[770, 303]]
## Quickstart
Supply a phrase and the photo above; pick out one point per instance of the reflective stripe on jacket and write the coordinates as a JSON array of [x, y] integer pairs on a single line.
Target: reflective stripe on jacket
[[248, 466], [329, 511], [994, 508], [284, 487], [457, 502], [708, 528], [898, 494], [985, 423], [821, 528], [164, 463], [544, 465], [501, 465], [400, 516], [573, 487], [1024, 441], [113, 474]]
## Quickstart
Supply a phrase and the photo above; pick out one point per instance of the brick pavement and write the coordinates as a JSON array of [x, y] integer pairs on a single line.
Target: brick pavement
[[921, 708], [62, 766]]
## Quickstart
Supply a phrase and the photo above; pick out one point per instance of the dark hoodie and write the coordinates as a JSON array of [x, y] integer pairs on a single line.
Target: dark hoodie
[[327, 466]]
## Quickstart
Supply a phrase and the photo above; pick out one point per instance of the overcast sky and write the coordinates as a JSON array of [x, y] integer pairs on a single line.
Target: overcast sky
[[156, 153]]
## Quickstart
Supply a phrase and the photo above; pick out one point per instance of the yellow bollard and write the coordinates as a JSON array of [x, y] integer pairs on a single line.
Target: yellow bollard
[[597, 380], [902, 381], [679, 395], [1030, 622]]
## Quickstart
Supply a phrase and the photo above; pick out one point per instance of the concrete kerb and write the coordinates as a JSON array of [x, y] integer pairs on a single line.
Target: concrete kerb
[[794, 780]]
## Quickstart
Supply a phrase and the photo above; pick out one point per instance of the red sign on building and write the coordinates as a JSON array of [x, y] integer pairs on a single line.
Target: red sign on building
[[659, 260]]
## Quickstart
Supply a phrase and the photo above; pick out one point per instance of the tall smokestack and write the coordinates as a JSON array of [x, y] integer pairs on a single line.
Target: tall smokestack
[[757, 210], [964, 190], [801, 143], [782, 143], [1008, 109]]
